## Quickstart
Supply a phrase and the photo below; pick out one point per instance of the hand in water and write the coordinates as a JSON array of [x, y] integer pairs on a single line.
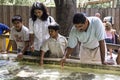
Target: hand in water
[[32, 48], [20, 55], [41, 63], [62, 61], [4, 52]]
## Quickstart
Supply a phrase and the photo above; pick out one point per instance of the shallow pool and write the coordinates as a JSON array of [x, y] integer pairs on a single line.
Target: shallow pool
[[10, 70]]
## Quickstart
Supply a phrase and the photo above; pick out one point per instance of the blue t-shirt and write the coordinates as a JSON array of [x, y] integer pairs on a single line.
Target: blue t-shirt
[[3, 27]]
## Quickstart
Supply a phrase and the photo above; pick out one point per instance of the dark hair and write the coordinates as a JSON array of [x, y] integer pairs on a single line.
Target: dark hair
[[16, 18], [54, 26], [79, 18], [39, 6]]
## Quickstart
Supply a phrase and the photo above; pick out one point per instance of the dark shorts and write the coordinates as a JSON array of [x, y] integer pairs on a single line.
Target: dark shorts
[[109, 40], [36, 53]]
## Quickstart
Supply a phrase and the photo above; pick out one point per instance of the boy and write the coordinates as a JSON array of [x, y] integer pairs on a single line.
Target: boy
[[20, 35], [3, 30], [56, 43]]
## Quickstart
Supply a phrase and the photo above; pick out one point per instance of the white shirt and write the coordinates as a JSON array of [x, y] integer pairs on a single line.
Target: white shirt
[[40, 30], [90, 38], [19, 37], [56, 47]]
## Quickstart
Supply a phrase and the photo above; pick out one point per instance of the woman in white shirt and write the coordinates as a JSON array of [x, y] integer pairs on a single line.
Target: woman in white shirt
[[38, 26]]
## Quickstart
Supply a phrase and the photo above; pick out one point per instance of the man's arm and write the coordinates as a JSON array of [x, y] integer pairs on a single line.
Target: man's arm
[[68, 51], [102, 50]]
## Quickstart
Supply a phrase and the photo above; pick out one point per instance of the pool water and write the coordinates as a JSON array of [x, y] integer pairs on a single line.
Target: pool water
[[10, 70]]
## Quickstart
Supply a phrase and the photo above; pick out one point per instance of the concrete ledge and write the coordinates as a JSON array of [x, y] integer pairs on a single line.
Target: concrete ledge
[[73, 63]]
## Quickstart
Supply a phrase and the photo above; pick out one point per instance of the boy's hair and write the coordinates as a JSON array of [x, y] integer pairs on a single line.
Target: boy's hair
[[16, 18], [54, 26], [79, 18]]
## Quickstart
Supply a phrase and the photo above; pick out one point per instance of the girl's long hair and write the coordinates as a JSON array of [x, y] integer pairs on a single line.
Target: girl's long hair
[[39, 6]]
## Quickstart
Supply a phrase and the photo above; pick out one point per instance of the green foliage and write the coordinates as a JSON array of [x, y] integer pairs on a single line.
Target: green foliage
[[19, 2]]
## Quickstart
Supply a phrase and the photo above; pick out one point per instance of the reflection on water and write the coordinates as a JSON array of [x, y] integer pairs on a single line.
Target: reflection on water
[[10, 70]]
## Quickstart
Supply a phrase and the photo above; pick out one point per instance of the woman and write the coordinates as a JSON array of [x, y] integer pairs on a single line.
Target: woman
[[38, 26], [110, 36]]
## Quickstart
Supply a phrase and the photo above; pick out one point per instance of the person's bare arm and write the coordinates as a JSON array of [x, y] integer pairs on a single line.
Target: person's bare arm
[[68, 51], [31, 38], [26, 47], [41, 57], [102, 50]]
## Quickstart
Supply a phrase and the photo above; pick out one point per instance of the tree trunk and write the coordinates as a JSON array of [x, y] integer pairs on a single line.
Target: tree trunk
[[65, 10], [118, 3]]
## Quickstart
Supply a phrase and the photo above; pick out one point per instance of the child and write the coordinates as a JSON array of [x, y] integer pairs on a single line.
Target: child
[[38, 27], [3, 29], [56, 43], [20, 35]]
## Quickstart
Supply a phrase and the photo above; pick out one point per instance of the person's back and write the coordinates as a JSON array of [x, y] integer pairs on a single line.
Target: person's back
[[4, 28]]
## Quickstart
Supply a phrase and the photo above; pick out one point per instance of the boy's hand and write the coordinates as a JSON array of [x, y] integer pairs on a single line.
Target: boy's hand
[[4, 52], [32, 48], [20, 55]]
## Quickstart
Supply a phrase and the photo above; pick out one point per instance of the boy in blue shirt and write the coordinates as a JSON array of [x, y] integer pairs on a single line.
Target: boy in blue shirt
[[4, 29]]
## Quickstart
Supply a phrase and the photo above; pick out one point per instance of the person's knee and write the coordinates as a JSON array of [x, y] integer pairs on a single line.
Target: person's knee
[[118, 57]]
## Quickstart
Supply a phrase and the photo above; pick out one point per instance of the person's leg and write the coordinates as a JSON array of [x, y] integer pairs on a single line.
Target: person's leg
[[35, 53], [111, 51], [118, 57]]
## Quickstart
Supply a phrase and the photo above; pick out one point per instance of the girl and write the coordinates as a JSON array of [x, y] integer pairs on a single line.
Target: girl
[[38, 26]]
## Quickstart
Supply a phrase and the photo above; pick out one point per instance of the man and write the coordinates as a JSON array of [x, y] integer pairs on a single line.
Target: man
[[90, 32], [97, 15], [20, 35]]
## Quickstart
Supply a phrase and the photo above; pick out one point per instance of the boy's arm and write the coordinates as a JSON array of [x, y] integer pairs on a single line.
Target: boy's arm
[[25, 47], [42, 57]]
